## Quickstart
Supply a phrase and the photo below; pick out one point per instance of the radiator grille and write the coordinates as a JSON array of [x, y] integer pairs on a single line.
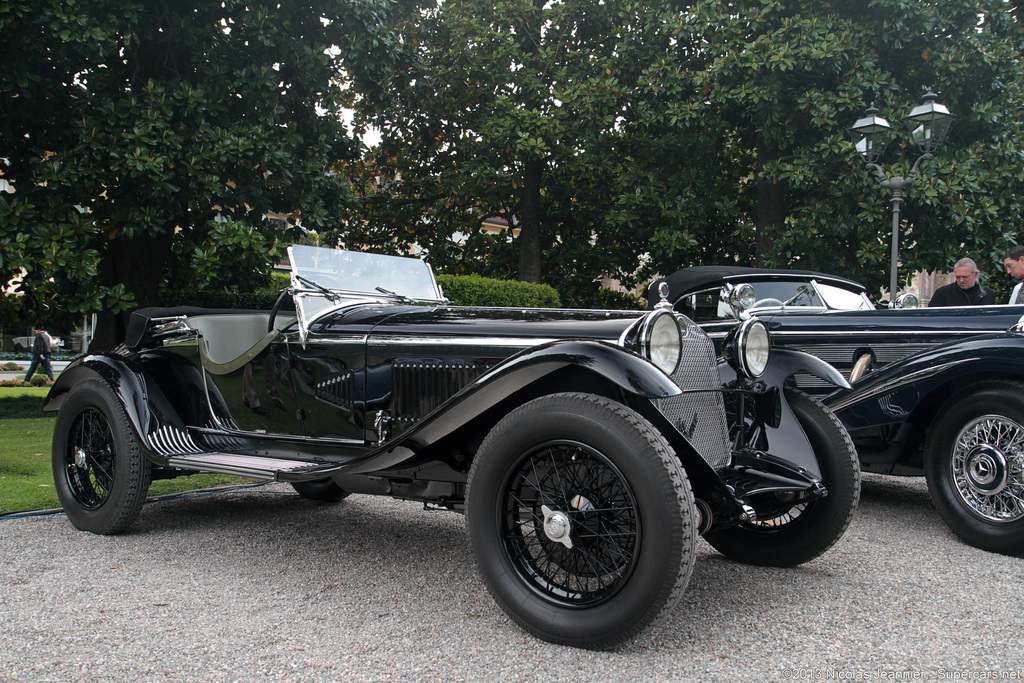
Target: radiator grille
[[700, 414]]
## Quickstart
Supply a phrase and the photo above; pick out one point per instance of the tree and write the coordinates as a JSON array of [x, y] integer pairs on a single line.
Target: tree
[[508, 109], [133, 129], [778, 84], [635, 139]]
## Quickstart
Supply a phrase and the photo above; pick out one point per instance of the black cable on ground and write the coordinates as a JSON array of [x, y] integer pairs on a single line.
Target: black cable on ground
[[193, 493]]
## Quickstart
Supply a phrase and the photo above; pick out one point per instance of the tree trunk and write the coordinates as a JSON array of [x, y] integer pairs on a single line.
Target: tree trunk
[[769, 211], [137, 263], [530, 221]]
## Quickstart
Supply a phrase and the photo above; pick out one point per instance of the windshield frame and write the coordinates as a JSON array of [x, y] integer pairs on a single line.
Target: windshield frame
[[326, 280]]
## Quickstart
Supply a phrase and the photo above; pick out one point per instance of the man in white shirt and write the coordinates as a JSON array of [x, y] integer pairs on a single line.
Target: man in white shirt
[[1014, 262]]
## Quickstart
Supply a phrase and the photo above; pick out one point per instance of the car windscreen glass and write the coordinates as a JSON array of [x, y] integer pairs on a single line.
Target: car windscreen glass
[[844, 299], [786, 294], [355, 272], [325, 278], [705, 306]]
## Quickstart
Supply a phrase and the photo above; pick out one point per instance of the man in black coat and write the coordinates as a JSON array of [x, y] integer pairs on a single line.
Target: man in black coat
[[40, 354], [966, 291]]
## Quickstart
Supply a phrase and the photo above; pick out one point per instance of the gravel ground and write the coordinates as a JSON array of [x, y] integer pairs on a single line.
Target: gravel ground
[[261, 584]]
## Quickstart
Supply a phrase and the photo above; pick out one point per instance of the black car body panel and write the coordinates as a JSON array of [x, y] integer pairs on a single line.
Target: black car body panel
[[955, 414], [889, 412]]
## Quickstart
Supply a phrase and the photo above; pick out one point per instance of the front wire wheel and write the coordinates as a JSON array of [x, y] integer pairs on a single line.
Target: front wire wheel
[[974, 465], [581, 520], [570, 523], [99, 472], [790, 530]]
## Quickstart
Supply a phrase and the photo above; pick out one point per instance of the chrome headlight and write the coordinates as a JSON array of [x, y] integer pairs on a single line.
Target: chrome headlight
[[742, 297], [907, 300], [747, 347], [661, 340]]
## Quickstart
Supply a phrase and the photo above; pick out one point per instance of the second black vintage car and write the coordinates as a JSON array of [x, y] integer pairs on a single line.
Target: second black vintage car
[[954, 414], [588, 449], [825, 315]]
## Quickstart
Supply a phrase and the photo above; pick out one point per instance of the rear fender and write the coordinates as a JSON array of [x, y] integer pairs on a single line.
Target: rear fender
[[142, 401]]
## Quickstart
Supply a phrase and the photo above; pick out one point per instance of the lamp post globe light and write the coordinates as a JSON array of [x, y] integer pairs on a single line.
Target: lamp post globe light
[[929, 123]]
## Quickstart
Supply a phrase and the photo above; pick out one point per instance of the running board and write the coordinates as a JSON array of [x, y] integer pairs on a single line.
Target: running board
[[257, 467]]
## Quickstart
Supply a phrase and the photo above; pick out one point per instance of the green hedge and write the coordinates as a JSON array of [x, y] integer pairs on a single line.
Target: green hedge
[[474, 290], [461, 290], [21, 406]]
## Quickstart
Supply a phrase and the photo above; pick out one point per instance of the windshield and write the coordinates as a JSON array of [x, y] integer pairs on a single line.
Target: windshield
[[324, 278], [713, 304], [357, 272], [841, 299]]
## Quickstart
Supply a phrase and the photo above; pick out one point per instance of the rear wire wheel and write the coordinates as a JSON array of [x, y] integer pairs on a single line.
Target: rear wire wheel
[[974, 465], [581, 520], [99, 471]]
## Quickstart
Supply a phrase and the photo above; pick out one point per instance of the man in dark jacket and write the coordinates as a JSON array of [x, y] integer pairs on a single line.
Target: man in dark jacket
[[966, 291], [40, 354]]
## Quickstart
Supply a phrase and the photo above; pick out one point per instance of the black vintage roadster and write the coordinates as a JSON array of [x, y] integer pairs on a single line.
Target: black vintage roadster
[[588, 449]]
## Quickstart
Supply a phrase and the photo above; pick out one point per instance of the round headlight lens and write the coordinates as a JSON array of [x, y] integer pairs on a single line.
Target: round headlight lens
[[663, 345], [754, 347]]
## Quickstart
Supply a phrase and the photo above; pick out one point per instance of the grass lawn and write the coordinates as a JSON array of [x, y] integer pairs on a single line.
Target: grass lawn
[[26, 478]]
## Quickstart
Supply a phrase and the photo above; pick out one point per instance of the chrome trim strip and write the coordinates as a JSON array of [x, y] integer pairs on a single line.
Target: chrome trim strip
[[518, 342], [276, 436], [861, 333], [891, 385]]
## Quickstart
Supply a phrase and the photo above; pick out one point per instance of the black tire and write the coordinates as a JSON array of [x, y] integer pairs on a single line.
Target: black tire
[[582, 471], [787, 534], [974, 464], [101, 475], [324, 490]]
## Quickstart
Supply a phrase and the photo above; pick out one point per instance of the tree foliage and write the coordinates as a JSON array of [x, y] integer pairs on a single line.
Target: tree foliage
[[632, 139], [145, 137], [508, 109], [781, 81]]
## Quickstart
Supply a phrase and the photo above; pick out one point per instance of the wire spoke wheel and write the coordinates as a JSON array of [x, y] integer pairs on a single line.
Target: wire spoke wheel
[[792, 528], [974, 464], [89, 459], [99, 471], [778, 512], [987, 466], [582, 520], [570, 524]]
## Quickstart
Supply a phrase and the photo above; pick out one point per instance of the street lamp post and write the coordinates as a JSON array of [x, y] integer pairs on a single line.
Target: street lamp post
[[929, 123]]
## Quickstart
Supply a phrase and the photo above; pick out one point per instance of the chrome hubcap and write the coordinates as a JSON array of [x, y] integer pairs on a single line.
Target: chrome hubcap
[[79, 458], [556, 526], [985, 468], [988, 468]]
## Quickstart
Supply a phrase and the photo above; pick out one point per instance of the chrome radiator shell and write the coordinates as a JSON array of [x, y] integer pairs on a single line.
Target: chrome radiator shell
[[699, 412]]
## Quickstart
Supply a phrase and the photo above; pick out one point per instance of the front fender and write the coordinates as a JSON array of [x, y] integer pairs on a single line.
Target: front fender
[[784, 433], [529, 372], [916, 383]]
